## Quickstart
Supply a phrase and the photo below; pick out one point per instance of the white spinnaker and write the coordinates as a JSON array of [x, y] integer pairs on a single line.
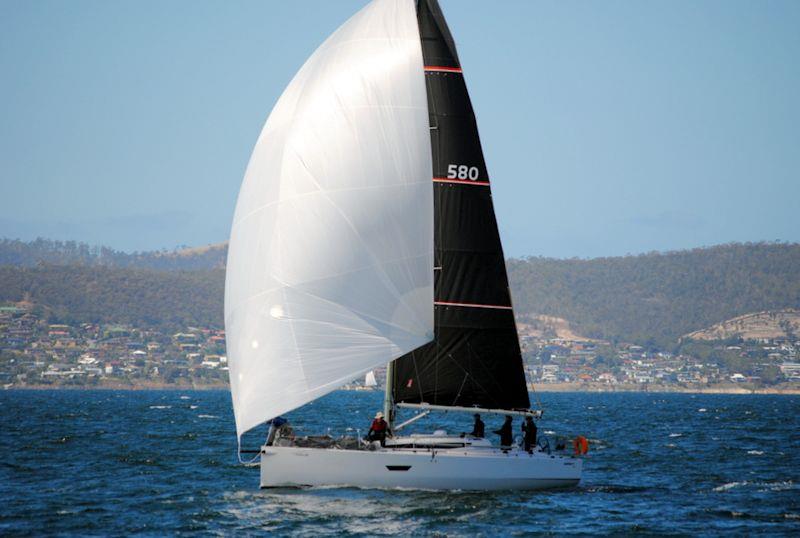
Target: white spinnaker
[[330, 262]]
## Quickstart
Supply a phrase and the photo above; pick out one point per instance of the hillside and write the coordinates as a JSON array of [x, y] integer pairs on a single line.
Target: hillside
[[648, 299], [656, 298], [541, 326], [776, 324], [45, 251], [170, 300]]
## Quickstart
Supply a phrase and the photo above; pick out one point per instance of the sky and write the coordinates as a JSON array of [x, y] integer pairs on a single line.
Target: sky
[[608, 128]]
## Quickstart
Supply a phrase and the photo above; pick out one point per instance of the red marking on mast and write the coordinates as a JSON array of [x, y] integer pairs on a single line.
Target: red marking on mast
[[465, 181], [410, 382], [443, 68], [473, 305]]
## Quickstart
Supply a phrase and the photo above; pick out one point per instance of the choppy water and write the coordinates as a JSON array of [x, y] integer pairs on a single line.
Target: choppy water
[[156, 462]]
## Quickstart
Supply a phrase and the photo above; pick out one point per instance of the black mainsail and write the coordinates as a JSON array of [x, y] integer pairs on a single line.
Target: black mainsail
[[474, 359]]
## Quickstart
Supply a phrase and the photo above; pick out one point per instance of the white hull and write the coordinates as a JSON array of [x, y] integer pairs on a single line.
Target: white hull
[[465, 468]]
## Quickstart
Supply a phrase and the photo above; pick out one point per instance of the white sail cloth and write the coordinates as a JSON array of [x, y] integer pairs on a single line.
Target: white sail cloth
[[330, 267], [369, 379]]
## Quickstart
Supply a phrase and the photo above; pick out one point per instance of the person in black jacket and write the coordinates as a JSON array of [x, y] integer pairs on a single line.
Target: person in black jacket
[[505, 433], [477, 428], [529, 430]]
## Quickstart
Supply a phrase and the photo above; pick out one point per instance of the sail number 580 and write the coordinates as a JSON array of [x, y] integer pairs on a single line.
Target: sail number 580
[[462, 171]]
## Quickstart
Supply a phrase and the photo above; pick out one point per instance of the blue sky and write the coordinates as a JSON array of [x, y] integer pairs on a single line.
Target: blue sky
[[608, 127]]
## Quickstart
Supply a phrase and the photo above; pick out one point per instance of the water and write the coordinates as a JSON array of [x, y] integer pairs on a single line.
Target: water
[[156, 462]]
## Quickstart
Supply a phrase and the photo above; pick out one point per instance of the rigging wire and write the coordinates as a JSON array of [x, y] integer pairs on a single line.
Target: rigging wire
[[416, 374], [248, 463]]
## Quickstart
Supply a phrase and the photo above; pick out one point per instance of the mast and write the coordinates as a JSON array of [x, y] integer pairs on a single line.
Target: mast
[[388, 402]]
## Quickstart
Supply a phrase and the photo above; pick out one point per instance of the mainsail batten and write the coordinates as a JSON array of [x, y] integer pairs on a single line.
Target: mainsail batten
[[329, 265], [474, 360]]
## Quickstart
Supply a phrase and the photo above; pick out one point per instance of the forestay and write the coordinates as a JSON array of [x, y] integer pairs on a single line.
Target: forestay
[[330, 267]]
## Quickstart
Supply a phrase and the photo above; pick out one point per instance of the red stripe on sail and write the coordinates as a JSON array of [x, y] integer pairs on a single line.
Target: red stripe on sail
[[443, 68], [464, 181], [473, 305]]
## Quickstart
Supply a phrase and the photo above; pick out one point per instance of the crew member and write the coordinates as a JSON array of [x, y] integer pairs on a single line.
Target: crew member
[[505, 433], [274, 426], [529, 433], [477, 428], [378, 430], [281, 433]]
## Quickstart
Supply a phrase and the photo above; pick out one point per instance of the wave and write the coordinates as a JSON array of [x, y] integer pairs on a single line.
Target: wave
[[160, 407], [613, 488], [774, 518], [783, 485]]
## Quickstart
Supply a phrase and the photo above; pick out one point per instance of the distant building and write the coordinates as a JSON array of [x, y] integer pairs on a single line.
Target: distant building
[[607, 378], [791, 370]]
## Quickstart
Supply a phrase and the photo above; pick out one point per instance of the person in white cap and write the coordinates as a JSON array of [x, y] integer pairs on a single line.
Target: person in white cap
[[378, 430]]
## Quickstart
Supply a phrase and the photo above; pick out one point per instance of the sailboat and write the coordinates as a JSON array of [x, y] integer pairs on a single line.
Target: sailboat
[[364, 234], [369, 379]]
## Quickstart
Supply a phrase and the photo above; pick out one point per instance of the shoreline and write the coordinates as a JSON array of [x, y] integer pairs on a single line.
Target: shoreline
[[713, 389], [550, 387], [122, 386]]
